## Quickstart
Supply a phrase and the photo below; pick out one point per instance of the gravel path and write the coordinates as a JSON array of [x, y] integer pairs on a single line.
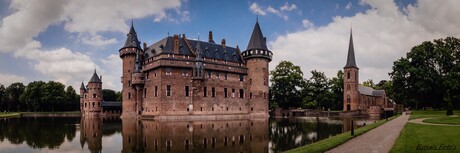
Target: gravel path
[[420, 121], [378, 140]]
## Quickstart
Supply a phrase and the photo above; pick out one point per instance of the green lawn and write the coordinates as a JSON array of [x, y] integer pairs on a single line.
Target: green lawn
[[9, 114], [68, 112], [329, 143], [428, 138], [444, 120], [430, 113]]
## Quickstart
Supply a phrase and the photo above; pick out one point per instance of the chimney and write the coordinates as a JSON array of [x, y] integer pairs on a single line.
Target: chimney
[[223, 42], [145, 46], [176, 44], [210, 37]]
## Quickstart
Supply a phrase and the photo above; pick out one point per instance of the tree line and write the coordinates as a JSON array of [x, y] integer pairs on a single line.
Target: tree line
[[40, 96], [290, 89], [429, 75]]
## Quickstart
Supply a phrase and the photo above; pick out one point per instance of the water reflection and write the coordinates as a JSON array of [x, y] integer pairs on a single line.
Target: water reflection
[[196, 136], [37, 133], [131, 135]]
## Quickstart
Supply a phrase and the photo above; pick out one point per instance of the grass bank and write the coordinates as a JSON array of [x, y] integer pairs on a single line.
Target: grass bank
[[67, 112], [329, 143], [430, 138], [430, 113], [2, 115]]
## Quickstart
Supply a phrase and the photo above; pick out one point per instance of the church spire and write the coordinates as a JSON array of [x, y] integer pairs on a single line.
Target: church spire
[[351, 62]]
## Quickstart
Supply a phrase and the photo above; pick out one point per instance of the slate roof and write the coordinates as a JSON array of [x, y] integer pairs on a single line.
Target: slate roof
[[111, 104], [210, 50], [95, 77], [131, 40], [257, 40], [82, 87], [351, 62], [370, 92]]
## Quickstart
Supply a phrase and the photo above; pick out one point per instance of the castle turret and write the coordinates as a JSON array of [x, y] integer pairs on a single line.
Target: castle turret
[[350, 80], [93, 96], [128, 54], [198, 68], [257, 57]]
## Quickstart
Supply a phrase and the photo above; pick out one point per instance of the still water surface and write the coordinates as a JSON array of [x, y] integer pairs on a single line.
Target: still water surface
[[72, 134]]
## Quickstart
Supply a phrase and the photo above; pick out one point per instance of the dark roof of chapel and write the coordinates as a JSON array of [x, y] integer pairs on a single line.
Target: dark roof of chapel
[[351, 62], [370, 91], [210, 50]]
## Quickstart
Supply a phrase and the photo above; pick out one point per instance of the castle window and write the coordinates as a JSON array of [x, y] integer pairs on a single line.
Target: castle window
[[250, 95], [187, 91], [168, 71], [205, 91], [184, 72], [241, 93], [156, 91], [225, 92], [168, 90], [145, 92], [129, 83], [348, 99], [225, 76], [93, 104], [233, 93], [213, 92], [147, 77], [348, 75], [129, 95], [99, 104], [217, 75], [241, 77], [209, 74], [85, 105], [85, 96], [94, 95]]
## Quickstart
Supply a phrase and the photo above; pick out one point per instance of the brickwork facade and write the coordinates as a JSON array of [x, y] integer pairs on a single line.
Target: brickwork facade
[[180, 78]]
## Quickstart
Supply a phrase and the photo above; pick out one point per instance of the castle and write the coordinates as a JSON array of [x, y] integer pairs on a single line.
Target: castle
[[359, 98], [180, 78]]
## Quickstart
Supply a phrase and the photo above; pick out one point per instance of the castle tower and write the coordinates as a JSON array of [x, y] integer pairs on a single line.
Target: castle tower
[[128, 55], [350, 80], [82, 97], [257, 57], [93, 99]]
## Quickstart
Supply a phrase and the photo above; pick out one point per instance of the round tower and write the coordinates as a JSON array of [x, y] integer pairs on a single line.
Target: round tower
[[93, 100], [257, 57], [350, 80], [128, 55]]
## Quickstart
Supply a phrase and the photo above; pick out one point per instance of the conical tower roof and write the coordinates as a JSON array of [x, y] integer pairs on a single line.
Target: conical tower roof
[[257, 40], [351, 62], [131, 40], [95, 78], [82, 87]]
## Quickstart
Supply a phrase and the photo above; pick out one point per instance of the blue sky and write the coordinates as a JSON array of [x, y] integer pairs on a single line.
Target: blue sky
[[67, 40]]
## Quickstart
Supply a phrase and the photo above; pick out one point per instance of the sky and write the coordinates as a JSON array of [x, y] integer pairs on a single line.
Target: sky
[[66, 40]]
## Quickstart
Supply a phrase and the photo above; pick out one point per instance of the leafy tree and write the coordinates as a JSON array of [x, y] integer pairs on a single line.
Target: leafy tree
[[119, 96], [32, 96], [2, 97], [369, 83], [287, 82], [109, 95], [337, 90], [53, 94], [320, 89], [13, 92], [72, 101]]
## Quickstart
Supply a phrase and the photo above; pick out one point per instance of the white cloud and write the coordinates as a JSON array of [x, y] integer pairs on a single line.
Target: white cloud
[[98, 41], [307, 24], [6, 79], [256, 9], [287, 7], [381, 34], [278, 13], [111, 72], [348, 6]]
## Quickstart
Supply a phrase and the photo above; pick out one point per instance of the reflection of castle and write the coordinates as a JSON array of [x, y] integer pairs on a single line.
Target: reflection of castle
[[196, 136], [91, 132], [358, 97], [181, 78]]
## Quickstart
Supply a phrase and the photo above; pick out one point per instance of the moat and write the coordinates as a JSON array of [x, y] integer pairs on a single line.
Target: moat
[[75, 134]]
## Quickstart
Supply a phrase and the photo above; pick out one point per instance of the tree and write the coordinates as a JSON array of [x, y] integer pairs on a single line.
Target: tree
[[428, 75], [369, 83], [287, 82], [13, 92], [32, 96], [72, 101], [321, 94], [109, 95], [53, 95], [2, 97], [337, 90], [119, 96]]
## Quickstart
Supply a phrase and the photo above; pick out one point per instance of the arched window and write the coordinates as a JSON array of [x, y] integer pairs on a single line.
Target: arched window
[[348, 99], [348, 87], [348, 75]]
